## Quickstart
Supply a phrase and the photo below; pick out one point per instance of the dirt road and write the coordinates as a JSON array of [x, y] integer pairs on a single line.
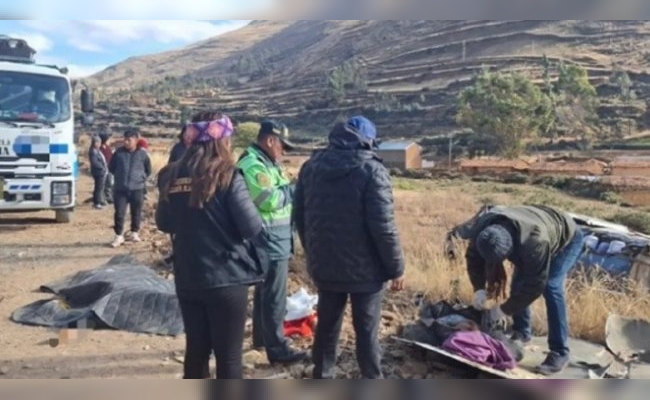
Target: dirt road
[[35, 251]]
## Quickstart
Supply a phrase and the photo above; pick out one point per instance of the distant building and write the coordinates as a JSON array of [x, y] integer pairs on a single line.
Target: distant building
[[403, 155]]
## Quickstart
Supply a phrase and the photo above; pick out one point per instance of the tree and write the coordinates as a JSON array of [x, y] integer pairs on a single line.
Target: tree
[[622, 80], [185, 115], [576, 103], [504, 110], [246, 133]]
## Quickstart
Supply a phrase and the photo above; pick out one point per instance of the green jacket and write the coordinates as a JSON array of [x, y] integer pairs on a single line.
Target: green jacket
[[272, 193], [540, 233]]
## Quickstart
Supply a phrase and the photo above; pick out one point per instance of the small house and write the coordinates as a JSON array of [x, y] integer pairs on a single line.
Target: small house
[[404, 155]]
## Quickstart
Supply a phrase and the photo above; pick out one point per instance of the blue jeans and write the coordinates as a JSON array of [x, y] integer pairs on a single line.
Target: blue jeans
[[558, 325]]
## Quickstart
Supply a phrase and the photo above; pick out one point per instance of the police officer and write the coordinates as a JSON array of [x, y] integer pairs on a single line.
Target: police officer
[[272, 193]]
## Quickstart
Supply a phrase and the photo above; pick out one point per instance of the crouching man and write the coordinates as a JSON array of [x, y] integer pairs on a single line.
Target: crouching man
[[543, 244]]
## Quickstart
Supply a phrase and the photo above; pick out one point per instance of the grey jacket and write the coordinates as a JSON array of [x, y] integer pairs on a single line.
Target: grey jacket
[[130, 169], [98, 165]]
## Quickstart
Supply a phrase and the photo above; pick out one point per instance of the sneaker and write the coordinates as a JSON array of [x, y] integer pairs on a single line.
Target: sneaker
[[553, 364], [134, 237], [520, 337], [118, 241]]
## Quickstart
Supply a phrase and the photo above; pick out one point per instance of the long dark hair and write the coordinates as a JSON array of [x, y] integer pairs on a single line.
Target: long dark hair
[[210, 165], [497, 281]]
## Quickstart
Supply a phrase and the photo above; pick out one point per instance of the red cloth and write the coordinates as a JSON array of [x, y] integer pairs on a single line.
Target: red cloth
[[107, 152], [142, 143], [302, 327]]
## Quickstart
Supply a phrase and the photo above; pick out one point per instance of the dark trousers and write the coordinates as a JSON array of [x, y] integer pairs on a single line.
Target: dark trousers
[[558, 324], [108, 188], [134, 199], [366, 316], [98, 191], [269, 310], [214, 322]]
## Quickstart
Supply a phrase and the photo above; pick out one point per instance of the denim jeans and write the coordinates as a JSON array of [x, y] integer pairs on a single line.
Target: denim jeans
[[558, 325]]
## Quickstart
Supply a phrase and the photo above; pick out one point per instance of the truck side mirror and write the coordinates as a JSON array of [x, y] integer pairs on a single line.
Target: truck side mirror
[[87, 101]]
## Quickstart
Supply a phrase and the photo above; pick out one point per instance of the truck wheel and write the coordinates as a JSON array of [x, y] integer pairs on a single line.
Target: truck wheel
[[63, 216]]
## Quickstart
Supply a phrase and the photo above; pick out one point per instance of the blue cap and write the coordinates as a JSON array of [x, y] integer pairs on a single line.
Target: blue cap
[[364, 127]]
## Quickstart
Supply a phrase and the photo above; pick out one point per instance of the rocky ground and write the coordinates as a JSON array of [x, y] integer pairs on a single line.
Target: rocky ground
[[35, 251]]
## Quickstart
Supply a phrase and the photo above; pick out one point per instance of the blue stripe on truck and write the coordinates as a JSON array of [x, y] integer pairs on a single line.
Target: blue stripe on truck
[[58, 149]]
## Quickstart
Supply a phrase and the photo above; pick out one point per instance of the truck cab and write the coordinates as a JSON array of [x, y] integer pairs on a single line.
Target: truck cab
[[38, 158]]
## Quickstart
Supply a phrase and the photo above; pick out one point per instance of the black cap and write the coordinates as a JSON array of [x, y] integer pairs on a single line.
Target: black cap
[[130, 134], [270, 127]]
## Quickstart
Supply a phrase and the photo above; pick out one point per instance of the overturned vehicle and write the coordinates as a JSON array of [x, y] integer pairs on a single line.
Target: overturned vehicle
[[609, 248]]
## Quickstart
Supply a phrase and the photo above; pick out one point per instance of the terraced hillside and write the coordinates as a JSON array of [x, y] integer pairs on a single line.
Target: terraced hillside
[[406, 73]]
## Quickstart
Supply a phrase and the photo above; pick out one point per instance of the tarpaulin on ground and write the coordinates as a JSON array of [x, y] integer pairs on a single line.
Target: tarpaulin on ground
[[123, 295]]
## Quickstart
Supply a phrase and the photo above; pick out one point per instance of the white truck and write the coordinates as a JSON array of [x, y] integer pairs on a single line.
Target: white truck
[[38, 157]]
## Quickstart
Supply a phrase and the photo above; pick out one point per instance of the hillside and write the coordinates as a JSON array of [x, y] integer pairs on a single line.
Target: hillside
[[403, 74]]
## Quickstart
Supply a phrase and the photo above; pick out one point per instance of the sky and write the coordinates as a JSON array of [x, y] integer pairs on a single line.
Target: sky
[[89, 46]]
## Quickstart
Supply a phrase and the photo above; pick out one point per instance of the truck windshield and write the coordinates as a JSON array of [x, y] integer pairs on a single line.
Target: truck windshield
[[26, 97]]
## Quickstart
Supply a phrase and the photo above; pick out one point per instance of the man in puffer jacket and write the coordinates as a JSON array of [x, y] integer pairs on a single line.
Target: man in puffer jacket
[[343, 211]]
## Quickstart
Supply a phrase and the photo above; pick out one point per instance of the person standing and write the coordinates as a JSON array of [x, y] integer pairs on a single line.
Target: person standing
[[176, 153], [344, 215], [543, 244], [272, 193], [107, 151], [98, 170], [131, 167], [206, 206], [179, 148]]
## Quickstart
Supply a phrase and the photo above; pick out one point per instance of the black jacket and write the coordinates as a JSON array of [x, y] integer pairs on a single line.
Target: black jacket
[[214, 246], [343, 211], [539, 233], [130, 169], [176, 152], [98, 165]]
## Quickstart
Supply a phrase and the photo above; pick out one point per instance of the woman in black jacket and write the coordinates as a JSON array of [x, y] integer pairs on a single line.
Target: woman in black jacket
[[206, 206]]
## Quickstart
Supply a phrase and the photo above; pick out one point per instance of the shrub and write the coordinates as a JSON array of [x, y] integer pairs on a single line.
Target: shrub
[[554, 181], [637, 220], [246, 133], [515, 178], [610, 197]]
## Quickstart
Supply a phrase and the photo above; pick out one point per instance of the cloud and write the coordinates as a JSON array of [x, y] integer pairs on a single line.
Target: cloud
[[74, 70], [37, 41], [101, 35], [83, 71]]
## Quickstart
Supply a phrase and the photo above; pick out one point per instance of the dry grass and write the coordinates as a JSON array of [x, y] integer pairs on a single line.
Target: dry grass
[[158, 161], [426, 210]]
